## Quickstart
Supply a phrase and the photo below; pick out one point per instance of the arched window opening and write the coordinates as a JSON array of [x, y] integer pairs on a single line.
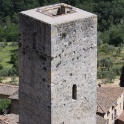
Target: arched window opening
[[74, 92]]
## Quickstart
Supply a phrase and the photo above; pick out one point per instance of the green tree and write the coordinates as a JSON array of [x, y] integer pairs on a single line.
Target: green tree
[[110, 76], [122, 77], [14, 61], [1, 67], [4, 105], [105, 63]]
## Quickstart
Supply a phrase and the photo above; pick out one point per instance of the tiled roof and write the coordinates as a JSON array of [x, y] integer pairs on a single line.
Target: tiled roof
[[7, 89], [14, 95], [100, 120], [9, 119], [121, 117], [106, 96], [1, 122]]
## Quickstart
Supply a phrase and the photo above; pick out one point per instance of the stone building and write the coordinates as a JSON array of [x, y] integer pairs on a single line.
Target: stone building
[[58, 64], [110, 101], [14, 103]]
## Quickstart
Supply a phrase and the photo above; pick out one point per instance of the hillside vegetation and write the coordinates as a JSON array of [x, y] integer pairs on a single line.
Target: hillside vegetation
[[110, 32]]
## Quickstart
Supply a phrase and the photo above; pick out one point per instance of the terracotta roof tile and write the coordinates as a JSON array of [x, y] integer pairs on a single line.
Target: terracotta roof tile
[[121, 117], [9, 119], [7, 89], [1, 122], [14, 95], [100, 120]]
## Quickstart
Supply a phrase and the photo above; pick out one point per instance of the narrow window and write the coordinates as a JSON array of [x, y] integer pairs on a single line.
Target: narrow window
[[113, 107], [115, 112], [120, 105], [108, 113], [74, 92], [112, 116]]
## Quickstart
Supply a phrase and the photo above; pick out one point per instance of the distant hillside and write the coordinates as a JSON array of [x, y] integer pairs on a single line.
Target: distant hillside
[[110, 29]]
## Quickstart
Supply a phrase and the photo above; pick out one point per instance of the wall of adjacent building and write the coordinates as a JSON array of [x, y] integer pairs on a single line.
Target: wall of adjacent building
[[119, 107], [15, 106]]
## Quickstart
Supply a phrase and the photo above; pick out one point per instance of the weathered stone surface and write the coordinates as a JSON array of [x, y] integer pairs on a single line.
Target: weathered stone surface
[[54, 55]]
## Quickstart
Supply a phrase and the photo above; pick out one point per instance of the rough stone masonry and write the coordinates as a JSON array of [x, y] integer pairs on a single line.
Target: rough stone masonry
[[57, 65]]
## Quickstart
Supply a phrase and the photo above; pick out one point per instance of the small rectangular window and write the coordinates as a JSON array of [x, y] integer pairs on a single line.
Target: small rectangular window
[[108, 113], [112, 116], [74, 92]]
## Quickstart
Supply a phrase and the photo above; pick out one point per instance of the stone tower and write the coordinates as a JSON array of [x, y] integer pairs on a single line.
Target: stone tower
[[58, 62]]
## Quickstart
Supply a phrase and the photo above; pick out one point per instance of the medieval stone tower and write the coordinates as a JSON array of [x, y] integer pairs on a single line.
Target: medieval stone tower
[[57, 59]]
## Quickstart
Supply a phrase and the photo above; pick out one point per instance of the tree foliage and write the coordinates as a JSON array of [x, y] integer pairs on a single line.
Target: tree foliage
[[122, 77], [4, 106], [110, 21], [110, 17]]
